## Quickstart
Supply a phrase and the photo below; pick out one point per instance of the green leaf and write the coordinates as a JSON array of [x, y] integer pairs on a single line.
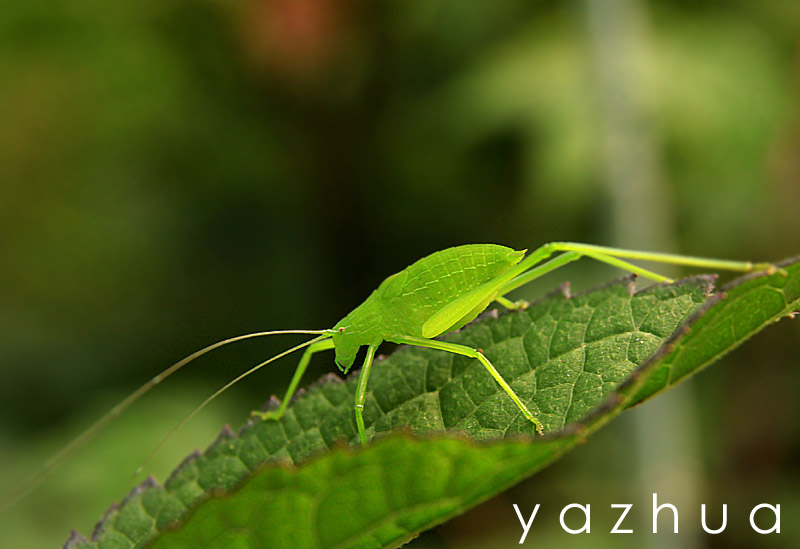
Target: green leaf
[[576, 360]]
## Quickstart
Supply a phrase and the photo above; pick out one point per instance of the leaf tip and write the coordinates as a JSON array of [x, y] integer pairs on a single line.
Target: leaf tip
[[75, 540], [332, 377], [147, 484], [187, 462], [225, 434], [271, 404]]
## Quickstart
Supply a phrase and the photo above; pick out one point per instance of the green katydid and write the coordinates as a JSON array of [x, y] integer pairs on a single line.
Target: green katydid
[[447, 289], [437, 294]]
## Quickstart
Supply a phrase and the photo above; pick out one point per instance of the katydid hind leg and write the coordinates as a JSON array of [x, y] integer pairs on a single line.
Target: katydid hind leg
[[480, 357], [532, 267], [298, 374], [593, 250], [626, 266]]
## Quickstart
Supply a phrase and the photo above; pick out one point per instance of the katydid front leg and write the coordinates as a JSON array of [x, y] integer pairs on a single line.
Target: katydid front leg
[[298, 374]]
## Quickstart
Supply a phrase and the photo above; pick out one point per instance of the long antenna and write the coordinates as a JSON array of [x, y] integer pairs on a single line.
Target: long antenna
[[224, 388], [37, 477]]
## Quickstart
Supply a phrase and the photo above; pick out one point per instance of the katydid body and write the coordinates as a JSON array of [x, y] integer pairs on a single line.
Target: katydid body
[[435, 295]]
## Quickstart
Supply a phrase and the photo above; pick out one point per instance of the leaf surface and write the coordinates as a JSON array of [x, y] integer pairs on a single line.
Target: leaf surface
[[577, 361]]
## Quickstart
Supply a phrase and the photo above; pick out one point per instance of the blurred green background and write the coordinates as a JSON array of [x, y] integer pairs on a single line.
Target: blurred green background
[[174, 173]]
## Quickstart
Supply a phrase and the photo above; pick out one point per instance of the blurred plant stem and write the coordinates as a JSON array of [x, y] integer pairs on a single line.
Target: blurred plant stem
[[641, 217]]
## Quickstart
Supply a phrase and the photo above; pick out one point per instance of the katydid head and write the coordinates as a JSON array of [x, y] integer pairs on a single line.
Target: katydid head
[[363, 326], [346, 346], [352, 332]]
